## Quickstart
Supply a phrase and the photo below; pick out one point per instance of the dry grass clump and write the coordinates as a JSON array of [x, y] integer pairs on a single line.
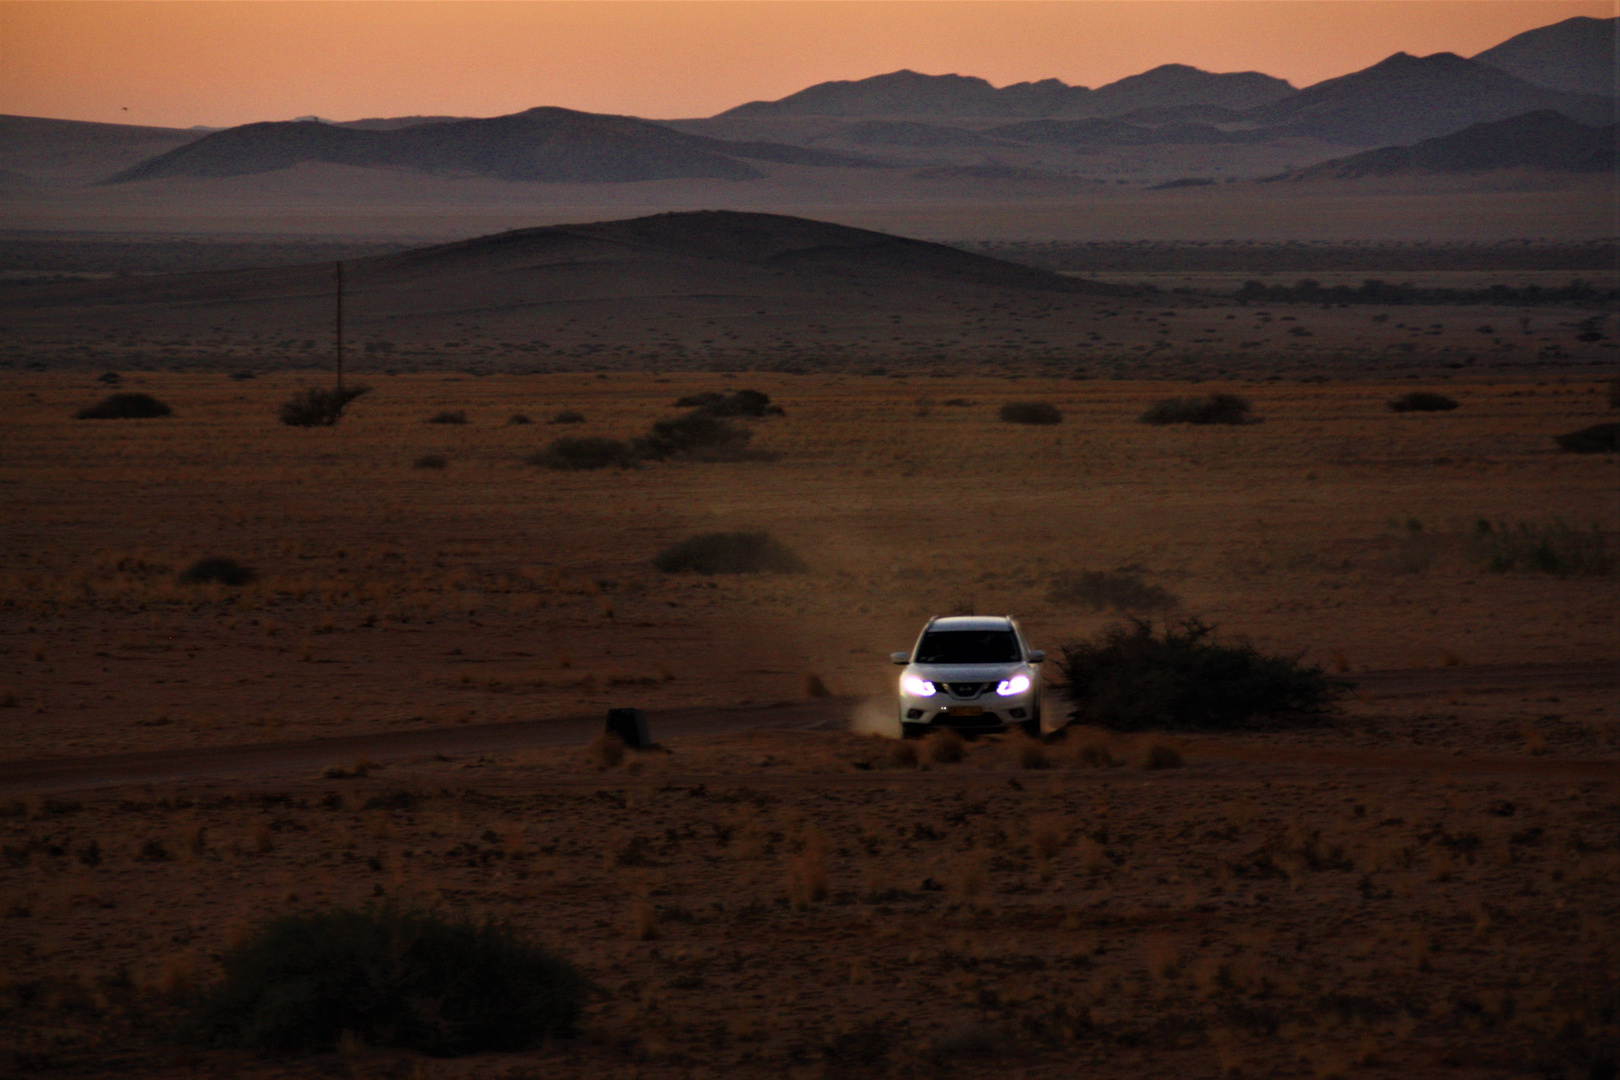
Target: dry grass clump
[[389, 977], [125, 407], [1214, 409], [430, 461], [1120, 590], [519, 418], [1030, 412], [318, 406], [448, 416], [729, 553], [1550, 548], [586, 452], [944, 747], [741, 403], [903, 754], [1130, 678], [697, 436], [1597, 439], [218, 570], [1422, 401], [567, 416], [1029, 753], [815, 687]]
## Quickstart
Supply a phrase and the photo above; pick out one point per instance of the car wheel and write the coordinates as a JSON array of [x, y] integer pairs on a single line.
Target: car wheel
[[913, 731]]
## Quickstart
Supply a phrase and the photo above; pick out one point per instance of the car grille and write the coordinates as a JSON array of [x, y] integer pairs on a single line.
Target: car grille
[[966, 689]]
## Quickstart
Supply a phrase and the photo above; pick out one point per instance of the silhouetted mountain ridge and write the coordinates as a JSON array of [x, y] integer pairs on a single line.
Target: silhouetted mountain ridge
[[1577, 56], [543, 144], [1538, 140]]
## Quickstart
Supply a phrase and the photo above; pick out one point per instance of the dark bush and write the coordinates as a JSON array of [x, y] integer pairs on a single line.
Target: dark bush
[[698, 435], [448, 416], [590, 452], [728, 553], [567, 416], [1422, 401], [318, 406], [1550, 548], [111, 378], [1128, 678], [430, 461], [218, 570], [125, 407], [1031, 412], [391, 978], [519, 418], [1118, 589], [1597, 439], [742, 403], [1215, 409]]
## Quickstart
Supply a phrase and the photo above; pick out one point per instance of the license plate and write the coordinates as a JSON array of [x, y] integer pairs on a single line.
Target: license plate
[[965, 710]]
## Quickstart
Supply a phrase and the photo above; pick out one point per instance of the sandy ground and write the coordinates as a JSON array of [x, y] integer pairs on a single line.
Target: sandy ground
[[1422, 887]]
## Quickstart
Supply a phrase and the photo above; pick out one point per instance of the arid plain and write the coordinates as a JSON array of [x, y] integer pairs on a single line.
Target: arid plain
[[1422, 886]]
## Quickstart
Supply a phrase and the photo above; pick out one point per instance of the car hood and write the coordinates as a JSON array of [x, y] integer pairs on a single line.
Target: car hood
[[967, 672]]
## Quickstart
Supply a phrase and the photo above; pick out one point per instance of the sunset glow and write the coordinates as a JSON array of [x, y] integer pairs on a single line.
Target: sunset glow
[[217, 64]]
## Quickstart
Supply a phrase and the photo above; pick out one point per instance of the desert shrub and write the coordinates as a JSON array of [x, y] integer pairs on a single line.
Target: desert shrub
[[728, 553], [318, 406], [430, 461], [125, 407], [448, 416], [1412, 551], [1031, 412], [218, 570], [1119, 589], [1130, 678], [1214, 409], [1551, 548], [1597, 439], [519, 418], [697, 435], [1422, 401], [741, 403], [590, 452], [567, 416], [391, 978]]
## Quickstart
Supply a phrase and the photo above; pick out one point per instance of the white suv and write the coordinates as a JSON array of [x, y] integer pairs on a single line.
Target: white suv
[[971, 673]]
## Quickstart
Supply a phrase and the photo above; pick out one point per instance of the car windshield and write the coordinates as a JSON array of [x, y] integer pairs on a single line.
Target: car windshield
[[968, 647]]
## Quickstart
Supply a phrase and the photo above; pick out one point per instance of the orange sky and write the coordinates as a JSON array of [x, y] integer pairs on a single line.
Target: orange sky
[[221, 62]]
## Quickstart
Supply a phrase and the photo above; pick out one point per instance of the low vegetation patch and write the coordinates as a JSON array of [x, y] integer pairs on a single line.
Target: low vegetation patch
[[1550, 548], [729, 553], [389, 977], [741, 403], [1120, 590], [125, 407], [430, 461], [1422, 401], [1031, 412], [696, 436], [318, 406], [1597, 439], [567, 416], [519, 418], [588, 452], [448, 416], [1214, 409], [1131, 678], [217, 570]]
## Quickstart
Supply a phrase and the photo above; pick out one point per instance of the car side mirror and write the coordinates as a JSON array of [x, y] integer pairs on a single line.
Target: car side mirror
[[1036, 656], [900, 657]]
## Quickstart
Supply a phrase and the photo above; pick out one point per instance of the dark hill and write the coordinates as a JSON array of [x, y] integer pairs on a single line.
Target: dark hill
[[1538, 140], [1178, 86], [1577, 55], [1408, 98], [78, 151], [1116, 133], [545, 144]]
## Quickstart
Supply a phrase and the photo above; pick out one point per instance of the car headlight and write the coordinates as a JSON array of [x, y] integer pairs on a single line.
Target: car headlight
[[1015, 685], [916, 687]]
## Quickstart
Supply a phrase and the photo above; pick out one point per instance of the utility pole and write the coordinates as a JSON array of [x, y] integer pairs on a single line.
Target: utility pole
[[339, 267]]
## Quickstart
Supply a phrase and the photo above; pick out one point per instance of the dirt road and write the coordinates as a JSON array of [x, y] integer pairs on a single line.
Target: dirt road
[[270, 759]]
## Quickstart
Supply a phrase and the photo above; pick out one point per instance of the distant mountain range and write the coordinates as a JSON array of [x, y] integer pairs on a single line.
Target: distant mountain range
[[946, 125], [907, 93], [1541, 140], [545, 144], [1578, 55]]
